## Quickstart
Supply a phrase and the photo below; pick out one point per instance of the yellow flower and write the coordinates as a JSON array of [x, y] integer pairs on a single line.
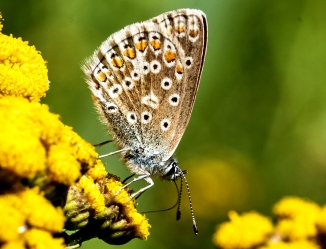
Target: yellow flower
[[292, 245], [246, 231], [296, 218], [94, 207], [23, 71], [321, 221], [36, 210], [11, 221], [1, 25], [14, 244], [21, 213], [36, 145], [40, 239], [40, 158]]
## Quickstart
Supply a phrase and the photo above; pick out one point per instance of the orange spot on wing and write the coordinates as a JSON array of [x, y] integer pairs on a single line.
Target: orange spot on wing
[[193, 33], [101, 77], [117, 62], [141, 46], [156, 44], [180, 29], [97, 85], [179, 69], [169, 56], [130, 53]]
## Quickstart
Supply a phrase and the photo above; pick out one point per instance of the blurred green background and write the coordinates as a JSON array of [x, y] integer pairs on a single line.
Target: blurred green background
[[257, 131]]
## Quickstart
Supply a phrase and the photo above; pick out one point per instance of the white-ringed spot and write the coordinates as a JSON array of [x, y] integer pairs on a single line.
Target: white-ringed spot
[[174, 99], [131, 117], [115, 91], [111, 108], [146, 117], [135, 75], [127, 83], [188, 62], [155, 66], [166, 83], [165, 124]]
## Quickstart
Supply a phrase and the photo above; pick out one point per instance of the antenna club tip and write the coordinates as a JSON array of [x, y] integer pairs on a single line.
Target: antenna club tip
[[195, 229], [178, 215]]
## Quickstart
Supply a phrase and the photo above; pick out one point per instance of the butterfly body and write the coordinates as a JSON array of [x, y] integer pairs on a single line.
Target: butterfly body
[[144, 79]]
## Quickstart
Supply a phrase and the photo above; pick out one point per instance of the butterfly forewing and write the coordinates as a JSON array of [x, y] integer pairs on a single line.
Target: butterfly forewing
[[144, 79], [188, 32]]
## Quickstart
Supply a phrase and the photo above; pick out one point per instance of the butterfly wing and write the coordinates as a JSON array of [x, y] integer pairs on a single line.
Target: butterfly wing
[[144, 79]]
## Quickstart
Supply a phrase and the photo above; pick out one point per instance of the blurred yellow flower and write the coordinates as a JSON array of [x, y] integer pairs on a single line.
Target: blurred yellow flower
[[1, 19], [36, 238], [296, 218], [236, 173], [300, 224], [35, 143], [321, 221], [246, 231], [292, 245], [22, 210]]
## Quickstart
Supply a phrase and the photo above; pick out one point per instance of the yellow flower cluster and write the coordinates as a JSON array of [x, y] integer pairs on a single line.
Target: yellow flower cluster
[[94, 207], [26, 212], [37, 146], [23, 71], [300, 224], [249, 230], [296, 218], [41, 159]]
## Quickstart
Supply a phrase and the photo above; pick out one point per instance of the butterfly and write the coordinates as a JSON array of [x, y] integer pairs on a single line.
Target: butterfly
[[144, 79]]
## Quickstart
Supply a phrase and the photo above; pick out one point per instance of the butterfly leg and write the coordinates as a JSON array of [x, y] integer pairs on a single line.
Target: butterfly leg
[[139, 192], [141, 177]]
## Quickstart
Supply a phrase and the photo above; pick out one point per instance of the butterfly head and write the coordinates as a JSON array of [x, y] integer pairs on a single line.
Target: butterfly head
[[172, 170]]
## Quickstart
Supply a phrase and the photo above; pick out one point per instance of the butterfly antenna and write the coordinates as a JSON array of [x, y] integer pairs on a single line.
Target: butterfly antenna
[[179, 200], [162, 210], [194, 224]]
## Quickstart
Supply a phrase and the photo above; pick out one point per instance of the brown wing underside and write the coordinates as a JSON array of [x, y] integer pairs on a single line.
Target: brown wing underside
[[144, 79]]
